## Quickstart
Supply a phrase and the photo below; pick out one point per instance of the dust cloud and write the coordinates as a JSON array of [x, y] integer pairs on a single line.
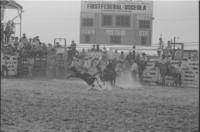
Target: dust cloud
[[126, 80]]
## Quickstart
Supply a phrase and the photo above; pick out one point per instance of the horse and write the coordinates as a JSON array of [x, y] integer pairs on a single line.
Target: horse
[[166, 69], [141, 67], [107, 74]]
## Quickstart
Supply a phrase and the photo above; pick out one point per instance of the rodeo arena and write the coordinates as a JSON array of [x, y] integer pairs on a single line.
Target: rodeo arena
[[111, 80]]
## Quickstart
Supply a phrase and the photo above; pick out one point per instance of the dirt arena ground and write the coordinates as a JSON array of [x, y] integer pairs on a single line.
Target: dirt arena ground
[[67, 106]]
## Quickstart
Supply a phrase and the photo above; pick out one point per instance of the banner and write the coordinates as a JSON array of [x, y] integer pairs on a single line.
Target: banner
[[116, 6]]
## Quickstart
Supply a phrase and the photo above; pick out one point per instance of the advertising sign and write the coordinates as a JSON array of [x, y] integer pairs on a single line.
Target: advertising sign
[[116, 6]]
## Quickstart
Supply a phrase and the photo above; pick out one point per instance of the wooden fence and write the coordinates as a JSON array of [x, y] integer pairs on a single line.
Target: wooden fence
[[12, 64], [189, 76], [47, 66]]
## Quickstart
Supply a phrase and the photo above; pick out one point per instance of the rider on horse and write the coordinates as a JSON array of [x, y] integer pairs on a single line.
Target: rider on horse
[[142, 64]]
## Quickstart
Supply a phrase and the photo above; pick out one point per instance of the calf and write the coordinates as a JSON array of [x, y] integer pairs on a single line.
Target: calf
[[89, 79]]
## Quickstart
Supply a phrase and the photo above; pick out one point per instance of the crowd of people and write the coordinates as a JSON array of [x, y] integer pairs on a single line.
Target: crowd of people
[[28, 48], [25, 46], [84, 60], [87, 61]]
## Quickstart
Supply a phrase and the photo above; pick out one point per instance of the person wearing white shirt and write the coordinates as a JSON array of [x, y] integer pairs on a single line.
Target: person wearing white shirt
[[134, 69]]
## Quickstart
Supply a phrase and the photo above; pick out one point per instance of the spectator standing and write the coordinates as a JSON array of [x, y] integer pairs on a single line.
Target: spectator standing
[[24, 40], [122, 57], [133, 53], [39, 49], [49, 47], [21, 45], [134, 69], [195, 57], [36, 41], [137, 59], [82, 53], [16, 43], [105, 54], [4, 68], [28, 47], [59, 65], [129, 57], [11, 41], [44, 49], [98, 48], [116, 55], [73, 45], [93, 47], [51, 61], [180, 70], [30, 60], [189, 59], [72, 52], [142, 64], [87, 64], [2, 33], [178, 54]]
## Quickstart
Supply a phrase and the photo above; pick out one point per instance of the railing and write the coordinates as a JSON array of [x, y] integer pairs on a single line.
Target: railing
[[189, 75]]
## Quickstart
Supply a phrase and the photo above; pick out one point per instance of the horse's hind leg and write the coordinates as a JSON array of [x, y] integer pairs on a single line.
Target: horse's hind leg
[[163, 81], [113, 83], [179, 80], [98, 83]]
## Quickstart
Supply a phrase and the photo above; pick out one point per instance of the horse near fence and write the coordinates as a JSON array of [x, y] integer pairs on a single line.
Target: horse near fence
[[188, 75]]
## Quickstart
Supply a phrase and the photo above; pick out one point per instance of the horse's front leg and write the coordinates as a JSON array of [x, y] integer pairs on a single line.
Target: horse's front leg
[[179, 80], [162, 79], [98, 83], [113, 83]]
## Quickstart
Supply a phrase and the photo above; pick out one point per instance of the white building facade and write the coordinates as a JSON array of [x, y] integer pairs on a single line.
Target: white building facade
[[116, 22]]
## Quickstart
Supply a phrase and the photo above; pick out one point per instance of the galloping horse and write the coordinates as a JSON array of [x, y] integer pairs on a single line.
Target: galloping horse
[[141, 67], [107, 74], [166, 69]]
